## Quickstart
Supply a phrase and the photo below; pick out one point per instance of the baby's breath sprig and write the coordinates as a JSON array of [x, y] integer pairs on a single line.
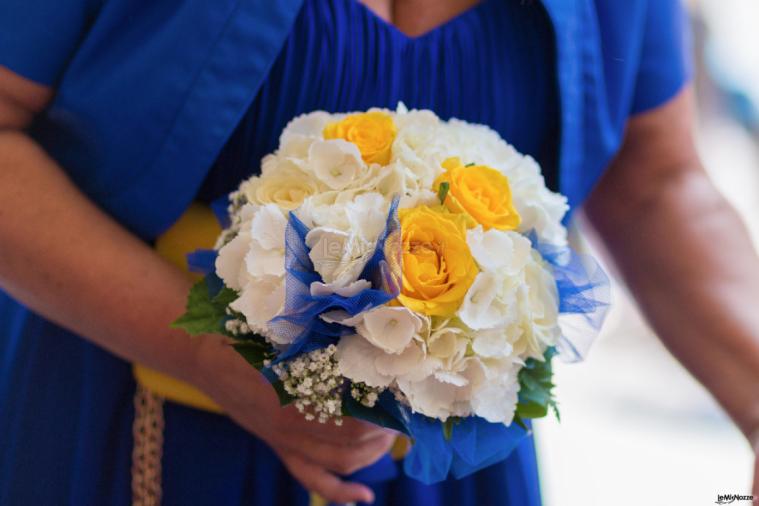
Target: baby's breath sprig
[[315, 382], [365, 394]]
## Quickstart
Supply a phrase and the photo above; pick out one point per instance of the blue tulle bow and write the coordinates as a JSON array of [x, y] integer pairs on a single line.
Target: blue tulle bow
[[300, 320], [474, 444], [584, 296]]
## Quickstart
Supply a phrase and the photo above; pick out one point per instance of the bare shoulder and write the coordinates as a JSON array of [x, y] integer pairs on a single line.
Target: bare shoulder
[[20, 99]]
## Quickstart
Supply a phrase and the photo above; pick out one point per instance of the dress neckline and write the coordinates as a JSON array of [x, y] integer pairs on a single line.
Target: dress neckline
[[468, 12]]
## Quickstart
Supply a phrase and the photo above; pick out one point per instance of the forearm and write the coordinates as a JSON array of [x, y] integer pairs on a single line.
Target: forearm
[[689, 262], [67, 260]]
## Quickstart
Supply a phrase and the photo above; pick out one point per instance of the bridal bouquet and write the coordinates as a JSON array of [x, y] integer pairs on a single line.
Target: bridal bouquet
[[405, 270]]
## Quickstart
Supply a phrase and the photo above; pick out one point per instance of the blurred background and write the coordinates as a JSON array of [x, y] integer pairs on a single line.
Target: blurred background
[[636, 428]]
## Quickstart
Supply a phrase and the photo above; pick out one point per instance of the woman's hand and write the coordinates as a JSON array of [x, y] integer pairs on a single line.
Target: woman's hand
[[314, 453], [126, 297]]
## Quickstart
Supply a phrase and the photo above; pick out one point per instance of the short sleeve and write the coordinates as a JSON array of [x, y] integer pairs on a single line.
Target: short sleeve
[[39, 37], [665, 60]]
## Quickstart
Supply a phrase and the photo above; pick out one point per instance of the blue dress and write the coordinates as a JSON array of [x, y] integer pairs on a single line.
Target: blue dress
[[160, 103]]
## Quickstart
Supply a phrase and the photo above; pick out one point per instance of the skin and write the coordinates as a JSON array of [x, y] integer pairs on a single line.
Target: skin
[[667, 235], [686, 256]]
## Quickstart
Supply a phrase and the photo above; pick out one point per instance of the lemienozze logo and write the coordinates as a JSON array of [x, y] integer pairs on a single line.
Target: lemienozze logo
[[732, 498]]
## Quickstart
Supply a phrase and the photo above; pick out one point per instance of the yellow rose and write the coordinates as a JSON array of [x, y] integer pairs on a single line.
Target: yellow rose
[[480, 192], [286, 188], [438, 267], [373, 132]]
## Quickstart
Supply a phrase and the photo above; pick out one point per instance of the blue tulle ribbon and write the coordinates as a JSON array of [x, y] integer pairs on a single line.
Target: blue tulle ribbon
[[300, 321], [474, 442], [584, 297]]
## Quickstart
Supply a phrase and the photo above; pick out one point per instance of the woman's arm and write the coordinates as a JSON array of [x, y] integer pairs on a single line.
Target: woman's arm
[[686, 256], [69, 261]]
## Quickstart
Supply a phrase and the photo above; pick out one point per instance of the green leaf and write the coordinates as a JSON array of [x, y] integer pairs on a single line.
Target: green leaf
[[518, 420], [284, 397], [442, 191], [203, 314], [376, 415], [225, 297], [254, 352], [470, 164], [536, 387], [531, 410], [448, 428]]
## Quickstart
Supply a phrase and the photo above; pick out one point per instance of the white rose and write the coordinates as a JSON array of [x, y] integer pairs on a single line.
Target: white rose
[[281, 183], [336, 163]]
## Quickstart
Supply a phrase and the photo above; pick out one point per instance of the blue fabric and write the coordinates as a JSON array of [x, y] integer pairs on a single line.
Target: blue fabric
[[474, 444], [148, 94]]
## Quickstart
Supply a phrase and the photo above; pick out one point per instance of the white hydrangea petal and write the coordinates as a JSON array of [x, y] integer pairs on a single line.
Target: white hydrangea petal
[[489, 302], [367, 215], [318, 288], [389, 328], [268, 227], [407, 362], [495, 342], [429, 397], [335, 162], [230, 262], [500, 251], [261, 262], [355, 359], [496, 399], [260, 300]]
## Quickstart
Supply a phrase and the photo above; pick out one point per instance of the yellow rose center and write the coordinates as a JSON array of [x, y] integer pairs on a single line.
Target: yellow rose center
[[481, 192], [438, 267], [372, 132]]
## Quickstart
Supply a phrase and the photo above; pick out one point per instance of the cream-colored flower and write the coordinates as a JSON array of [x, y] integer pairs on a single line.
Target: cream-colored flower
[[284, 185]]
